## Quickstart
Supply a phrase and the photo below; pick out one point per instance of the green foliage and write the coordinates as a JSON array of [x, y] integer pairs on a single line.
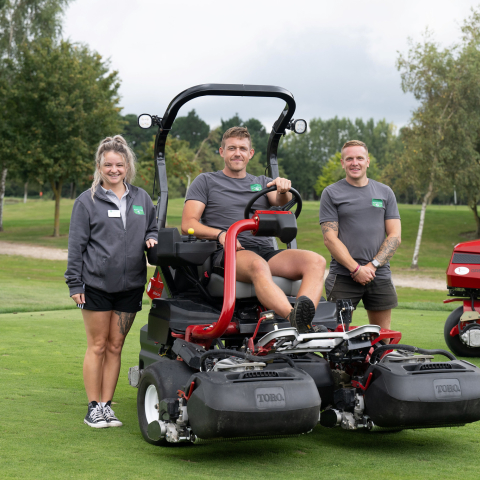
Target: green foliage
[[190, 128], [68, 100], [20, 22], [442, 139], [207, 156], [179, 160], [26, 20], [332, 172]]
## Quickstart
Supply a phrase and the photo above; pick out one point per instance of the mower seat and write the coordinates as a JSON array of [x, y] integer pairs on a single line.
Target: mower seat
[[247, 290]]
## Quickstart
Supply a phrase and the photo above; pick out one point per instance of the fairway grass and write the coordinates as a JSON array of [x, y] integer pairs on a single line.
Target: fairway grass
[[32, 285], [445, 226], [43, 403]]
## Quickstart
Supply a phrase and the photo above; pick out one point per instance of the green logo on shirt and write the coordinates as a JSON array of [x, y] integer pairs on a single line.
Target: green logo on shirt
[[377, 202], [255, 187], [138, 209]]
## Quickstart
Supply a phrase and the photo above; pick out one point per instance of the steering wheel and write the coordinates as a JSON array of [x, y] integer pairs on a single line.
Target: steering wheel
[[296, 199]]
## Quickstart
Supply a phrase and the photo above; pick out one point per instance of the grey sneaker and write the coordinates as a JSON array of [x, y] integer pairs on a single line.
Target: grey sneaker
[[110, 418], [94, 417], [302, 315]]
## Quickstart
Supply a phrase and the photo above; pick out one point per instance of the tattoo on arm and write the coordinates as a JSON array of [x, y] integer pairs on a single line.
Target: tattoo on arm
[[125, 321], [329, 227], [388, 248]]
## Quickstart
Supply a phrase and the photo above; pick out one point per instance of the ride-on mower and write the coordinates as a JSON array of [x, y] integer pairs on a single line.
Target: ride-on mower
[[462, 328], [214, 364]]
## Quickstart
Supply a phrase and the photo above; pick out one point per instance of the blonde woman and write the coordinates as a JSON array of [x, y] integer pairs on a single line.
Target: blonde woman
[[111, 226]]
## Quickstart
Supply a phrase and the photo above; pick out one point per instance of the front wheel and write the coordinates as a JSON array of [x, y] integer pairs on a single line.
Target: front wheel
[[149, 394], [160, 380], [455, 343]]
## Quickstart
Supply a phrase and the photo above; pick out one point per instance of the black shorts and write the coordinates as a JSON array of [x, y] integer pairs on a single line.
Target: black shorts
[[377, 295], [129, 301], [218, 257]]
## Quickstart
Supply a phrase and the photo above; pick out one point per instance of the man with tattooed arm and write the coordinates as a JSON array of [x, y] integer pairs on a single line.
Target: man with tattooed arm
[[361, 229]]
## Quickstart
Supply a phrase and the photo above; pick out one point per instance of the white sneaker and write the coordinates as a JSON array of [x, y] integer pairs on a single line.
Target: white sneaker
[[110, 418], [94, 417]]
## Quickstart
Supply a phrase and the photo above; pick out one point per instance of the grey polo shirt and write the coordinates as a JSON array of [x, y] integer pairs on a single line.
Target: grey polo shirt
[[121, 203], [225, 199], [361, 213]]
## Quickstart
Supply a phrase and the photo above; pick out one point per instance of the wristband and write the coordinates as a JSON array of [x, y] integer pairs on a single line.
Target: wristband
[[353, 273], [218, 236]]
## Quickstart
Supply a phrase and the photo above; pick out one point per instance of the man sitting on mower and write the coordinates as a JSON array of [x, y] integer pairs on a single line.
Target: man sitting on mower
[[218, 199]]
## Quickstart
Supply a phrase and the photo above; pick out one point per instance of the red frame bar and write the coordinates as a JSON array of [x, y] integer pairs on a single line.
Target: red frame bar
[[200, 332]]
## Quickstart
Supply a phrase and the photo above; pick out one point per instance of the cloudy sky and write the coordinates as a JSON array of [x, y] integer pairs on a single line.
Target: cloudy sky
[[337, 58]]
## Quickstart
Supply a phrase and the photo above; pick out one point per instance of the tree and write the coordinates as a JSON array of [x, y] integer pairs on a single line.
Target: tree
[[444, 130], [69, 101], [301, 167], [190, 128], [179, 162], [20, 21]]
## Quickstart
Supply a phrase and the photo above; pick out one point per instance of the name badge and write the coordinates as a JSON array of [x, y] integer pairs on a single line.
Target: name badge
[[114, 213]]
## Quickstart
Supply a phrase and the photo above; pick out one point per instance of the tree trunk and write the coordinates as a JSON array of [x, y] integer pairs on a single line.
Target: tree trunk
[[416, 251], [73, 190], [473, 207], [57, 192], [25, 192], [3, 181]]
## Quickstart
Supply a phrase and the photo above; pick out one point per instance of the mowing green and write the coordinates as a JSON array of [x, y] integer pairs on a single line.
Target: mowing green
[[43, 435]]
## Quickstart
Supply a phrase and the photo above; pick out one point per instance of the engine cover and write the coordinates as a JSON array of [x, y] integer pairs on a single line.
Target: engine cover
[[253, 403], [423, 395]]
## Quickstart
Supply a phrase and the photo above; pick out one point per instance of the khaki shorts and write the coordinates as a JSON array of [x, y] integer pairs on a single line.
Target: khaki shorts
[[377, 295]]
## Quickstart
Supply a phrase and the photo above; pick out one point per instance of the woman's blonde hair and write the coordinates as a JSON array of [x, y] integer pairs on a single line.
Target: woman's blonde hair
[[118, 145]]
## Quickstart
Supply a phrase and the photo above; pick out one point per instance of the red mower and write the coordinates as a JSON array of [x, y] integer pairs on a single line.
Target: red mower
[[462, 328], [214, 364]]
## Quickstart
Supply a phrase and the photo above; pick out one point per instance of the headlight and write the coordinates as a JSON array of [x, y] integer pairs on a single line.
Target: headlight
[[300, 126], [145, 120]]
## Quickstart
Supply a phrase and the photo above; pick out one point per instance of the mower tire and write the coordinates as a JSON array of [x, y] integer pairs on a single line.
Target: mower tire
[[160, 380], [455, 344]]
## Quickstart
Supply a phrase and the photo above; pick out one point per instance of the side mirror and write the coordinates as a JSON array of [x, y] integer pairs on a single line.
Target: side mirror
[[145, 120]]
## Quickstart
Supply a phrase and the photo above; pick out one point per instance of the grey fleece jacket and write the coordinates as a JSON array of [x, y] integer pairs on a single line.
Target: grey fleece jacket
[[101, 252]]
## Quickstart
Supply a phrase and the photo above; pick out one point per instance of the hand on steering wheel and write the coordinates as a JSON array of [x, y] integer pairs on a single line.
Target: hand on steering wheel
[[296, 199]]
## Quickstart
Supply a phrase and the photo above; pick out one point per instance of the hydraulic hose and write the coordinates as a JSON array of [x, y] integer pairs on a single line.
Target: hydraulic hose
[[410, 348]]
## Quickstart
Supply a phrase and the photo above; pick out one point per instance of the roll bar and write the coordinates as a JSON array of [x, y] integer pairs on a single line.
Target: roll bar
[[217, 89]]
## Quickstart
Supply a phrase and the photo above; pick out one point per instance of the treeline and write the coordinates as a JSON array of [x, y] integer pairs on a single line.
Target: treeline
[[311, 160], [193, 148]]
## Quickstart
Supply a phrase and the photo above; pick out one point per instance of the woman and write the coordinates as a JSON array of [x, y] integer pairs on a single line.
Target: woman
[[112, 224]]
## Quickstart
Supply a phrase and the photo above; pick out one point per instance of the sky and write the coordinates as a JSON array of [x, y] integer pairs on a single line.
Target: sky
[[337, 58]]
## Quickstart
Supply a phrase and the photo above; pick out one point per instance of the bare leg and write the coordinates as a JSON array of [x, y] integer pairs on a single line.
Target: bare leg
[[301, 265], [251, 268], [97, 326], [380, 317], [120, 324]]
